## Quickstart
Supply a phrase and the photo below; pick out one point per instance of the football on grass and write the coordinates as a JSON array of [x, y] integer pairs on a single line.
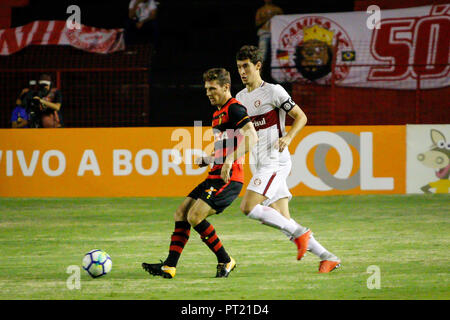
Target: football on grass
[[97, 263]]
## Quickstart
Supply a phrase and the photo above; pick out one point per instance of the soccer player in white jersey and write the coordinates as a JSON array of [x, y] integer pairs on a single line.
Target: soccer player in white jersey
[[267, 195]]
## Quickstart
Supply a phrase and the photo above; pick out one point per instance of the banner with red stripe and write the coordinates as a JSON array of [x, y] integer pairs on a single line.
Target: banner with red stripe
[[54, 32]]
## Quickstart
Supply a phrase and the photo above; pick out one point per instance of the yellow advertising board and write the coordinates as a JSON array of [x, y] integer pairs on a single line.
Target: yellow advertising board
[[116, 162], [348, 160]]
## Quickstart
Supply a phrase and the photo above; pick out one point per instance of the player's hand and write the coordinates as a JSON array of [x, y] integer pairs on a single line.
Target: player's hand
[[225, 172], [284, 142], [202, 161], [199, 161], [139, 25]]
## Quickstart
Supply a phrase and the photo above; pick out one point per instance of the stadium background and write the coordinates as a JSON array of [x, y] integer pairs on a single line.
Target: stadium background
[[406, 236], [123, 89]]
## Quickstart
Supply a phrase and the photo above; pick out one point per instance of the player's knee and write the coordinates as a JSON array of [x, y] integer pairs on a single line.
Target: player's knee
[[193, 218], [180, 215]]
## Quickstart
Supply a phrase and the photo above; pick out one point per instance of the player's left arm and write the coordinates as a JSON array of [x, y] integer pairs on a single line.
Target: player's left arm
[[300, 120]]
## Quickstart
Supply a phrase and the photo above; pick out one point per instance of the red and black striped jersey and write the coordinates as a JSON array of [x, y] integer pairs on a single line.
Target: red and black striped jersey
[[226, 124]]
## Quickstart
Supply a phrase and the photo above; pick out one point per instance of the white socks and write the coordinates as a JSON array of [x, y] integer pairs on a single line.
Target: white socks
[[289, 227], [315, 247], [273, 218]]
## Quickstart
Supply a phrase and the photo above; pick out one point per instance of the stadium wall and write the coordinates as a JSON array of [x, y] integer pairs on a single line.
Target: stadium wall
[[372, 106]]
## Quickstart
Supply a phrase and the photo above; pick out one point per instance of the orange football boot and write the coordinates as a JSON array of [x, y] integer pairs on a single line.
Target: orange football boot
[[302, 244], [326, 266]]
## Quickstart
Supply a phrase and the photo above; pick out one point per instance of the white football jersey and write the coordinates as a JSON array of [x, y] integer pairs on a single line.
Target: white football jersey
[[267, 107]]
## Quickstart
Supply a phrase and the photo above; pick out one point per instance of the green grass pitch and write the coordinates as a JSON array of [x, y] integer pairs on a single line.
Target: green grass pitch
[[407, 237]]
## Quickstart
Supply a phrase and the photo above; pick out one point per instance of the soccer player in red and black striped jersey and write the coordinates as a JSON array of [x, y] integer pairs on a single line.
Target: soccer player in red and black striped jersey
[[234, 136]]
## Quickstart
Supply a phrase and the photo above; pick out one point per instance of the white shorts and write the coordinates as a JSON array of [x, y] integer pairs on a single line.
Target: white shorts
[[271, 182]]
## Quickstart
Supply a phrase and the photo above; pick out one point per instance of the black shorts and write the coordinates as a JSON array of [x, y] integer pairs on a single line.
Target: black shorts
[[216, 193]]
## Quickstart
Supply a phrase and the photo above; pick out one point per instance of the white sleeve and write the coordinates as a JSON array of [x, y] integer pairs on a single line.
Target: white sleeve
[[239, 96], [281, 99], [131, 4]]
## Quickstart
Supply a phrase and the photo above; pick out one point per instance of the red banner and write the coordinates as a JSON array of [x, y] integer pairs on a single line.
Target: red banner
[[56, 33], [406, 48]]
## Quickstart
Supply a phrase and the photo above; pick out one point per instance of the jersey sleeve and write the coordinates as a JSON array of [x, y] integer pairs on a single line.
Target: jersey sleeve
[[238, 96], [282, 99], [238, 115]]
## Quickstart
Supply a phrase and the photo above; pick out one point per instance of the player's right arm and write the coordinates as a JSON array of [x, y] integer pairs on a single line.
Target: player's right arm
[[250, 138]]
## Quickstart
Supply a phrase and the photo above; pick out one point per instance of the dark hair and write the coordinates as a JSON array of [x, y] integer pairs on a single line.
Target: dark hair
[[249, 52], [221, 75]]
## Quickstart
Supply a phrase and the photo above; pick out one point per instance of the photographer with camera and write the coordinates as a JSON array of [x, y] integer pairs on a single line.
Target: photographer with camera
[[19, 116], [44, 105]]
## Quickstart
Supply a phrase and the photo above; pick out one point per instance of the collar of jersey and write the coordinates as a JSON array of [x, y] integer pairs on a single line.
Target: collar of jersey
[[260, 86], [228, 101]]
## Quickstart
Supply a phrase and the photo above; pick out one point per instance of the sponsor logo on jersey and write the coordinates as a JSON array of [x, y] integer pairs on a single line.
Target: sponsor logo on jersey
[[258, 123], [220, 117]]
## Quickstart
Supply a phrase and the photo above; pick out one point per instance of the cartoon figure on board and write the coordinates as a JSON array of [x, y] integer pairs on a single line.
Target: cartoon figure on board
[[438, 158], [314, 57]]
